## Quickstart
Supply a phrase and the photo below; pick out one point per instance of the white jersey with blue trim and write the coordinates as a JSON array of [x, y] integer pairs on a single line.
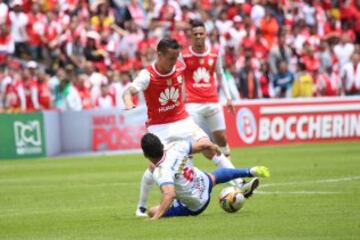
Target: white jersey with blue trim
[[191, 184]]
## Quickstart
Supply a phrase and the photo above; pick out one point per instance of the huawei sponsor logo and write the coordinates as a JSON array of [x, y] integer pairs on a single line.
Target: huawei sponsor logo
[[201, 78], [170, 94]]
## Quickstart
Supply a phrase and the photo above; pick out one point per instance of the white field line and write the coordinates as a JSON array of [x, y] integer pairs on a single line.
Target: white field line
[[298, 193], [109, 184], [15, 212], [75, 185], [331, 180]]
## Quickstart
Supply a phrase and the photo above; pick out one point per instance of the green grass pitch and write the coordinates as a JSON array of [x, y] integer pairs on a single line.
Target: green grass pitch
[[313, 194]]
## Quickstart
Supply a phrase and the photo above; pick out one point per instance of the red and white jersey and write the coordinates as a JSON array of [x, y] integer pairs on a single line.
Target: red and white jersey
[[85, 96], [105, 102], [7, 47], [163, 94], [29, 87], [328, 85], [36, 28], [351, 76], [200, 83], [11, 94], [44, 95]]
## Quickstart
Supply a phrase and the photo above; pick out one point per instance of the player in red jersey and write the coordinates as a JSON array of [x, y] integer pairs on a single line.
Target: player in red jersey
[[203, 71], [161, 84]]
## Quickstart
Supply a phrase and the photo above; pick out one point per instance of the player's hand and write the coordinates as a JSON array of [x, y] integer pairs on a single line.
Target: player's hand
[[216, 148], [230, 106]]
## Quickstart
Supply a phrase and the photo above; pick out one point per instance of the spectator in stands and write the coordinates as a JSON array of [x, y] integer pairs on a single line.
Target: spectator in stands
[[28, 92], [229, 76], [68, 96], [19, 21], [137, 13], [91, 51], [265, 80], [309, 12], [247, 82], [9, 88], [328, 83], [83, 86], [325, 56], [343, 50], [258, 12], [309, 59], [4, 11], [350, 76], [277, 11], [260, 46], [104, 17], [304, 84], [278, 53], [283, 81], [44, 93], [105, 100], [269, 27], [7, 44], [167, 14], [36, 31]]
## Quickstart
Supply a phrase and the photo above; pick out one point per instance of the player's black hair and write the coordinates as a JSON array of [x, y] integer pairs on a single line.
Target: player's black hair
[[196, 23], [152, 146], [167, 43]]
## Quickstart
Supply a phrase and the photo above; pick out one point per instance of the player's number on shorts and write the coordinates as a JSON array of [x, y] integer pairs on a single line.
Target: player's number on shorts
[[188, 173]]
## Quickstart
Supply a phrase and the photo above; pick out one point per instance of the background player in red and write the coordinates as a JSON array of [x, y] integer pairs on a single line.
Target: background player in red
[[204, 71], [162, 84]]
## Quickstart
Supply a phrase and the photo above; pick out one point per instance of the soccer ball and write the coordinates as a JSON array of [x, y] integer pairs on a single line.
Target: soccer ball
[[231, 199]]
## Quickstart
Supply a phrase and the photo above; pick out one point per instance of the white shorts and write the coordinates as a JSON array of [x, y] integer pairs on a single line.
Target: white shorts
[[210, 114], [185, 129]]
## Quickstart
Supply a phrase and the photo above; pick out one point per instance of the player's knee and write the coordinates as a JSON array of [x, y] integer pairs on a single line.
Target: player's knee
[[213, 179], [220, 138]]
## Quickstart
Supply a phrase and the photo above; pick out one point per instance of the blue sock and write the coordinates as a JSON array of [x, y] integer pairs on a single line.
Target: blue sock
[[223, 175]]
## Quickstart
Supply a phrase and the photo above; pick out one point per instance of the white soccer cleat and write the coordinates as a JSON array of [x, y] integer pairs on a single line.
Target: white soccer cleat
[[141, 212], [248, 188]]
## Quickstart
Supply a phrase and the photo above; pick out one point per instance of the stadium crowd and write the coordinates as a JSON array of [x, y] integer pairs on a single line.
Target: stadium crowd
[[78, 54]]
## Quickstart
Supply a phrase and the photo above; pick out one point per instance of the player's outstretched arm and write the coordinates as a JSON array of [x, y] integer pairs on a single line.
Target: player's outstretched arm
[[168, 196], [223, 84], [205, 145], [127, 97], [140, 84]]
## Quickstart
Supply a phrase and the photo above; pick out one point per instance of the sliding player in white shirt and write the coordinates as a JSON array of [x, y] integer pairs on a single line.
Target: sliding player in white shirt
[[186, 189]]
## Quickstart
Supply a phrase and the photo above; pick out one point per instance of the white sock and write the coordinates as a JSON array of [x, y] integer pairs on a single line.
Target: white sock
[[222, 162], [147, 182]]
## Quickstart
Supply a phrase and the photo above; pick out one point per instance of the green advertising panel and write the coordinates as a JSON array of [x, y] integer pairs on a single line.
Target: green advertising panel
[[22, 135]]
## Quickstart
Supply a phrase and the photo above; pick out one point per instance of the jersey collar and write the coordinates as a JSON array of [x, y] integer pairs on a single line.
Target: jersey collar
[[163, 75], [200, 54]]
